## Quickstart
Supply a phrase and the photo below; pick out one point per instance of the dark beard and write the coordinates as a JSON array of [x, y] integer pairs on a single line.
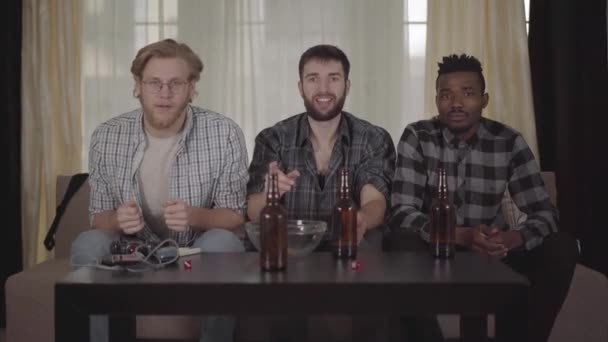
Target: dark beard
[[310, 110]]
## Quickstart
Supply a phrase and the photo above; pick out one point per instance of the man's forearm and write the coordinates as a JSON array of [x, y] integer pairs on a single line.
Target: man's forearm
[[255, 203], [105, 220], [205, 218], [373, 212], [373, 206]]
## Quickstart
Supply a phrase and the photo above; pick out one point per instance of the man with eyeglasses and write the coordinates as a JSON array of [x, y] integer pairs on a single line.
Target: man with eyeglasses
[[168, 170]]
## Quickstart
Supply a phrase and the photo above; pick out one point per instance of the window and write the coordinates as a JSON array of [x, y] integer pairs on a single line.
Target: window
[[155, 20], [527, 9], [414, 22]]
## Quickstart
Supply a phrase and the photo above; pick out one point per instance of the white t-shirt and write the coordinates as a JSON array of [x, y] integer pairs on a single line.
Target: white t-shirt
[[154, 181]]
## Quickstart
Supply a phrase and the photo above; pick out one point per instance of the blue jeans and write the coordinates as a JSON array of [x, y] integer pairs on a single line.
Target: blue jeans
[[93, 244]]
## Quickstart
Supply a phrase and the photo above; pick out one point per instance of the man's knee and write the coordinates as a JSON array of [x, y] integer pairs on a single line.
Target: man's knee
[[560, 250], [91, 245], [219, 240]]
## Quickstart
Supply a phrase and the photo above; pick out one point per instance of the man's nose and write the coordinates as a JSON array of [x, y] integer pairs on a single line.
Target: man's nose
[[456, 102], [323, 86], [165, 91]]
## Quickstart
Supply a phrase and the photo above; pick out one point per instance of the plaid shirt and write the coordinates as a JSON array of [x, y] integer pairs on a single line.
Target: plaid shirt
[[209, 170], [479, 172], [367, 151]]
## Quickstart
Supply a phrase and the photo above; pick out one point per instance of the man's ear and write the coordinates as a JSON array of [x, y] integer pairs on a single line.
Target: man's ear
[[192, 91], [484, 100], [347, 88], [136, 87], [300, 88], [193, 96]]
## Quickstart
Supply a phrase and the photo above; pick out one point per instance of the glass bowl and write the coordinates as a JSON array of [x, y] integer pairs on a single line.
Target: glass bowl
[[303, 236]]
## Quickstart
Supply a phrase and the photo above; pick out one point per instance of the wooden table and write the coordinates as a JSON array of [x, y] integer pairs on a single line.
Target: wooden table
[[232, 283]]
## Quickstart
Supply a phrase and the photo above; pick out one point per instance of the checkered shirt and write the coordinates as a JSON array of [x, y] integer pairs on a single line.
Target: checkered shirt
[[479, 172], [209, 169], [366, 150]]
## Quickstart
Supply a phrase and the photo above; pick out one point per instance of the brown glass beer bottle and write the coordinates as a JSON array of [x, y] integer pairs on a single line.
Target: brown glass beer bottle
[[442, 220], [345, 221], [273, 230]]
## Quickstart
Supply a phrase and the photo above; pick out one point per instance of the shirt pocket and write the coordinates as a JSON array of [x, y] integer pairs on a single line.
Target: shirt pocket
[[487, 193], [197, 185]]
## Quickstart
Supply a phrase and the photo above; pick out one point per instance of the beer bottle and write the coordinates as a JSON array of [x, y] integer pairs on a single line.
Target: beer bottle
[[442, 220], [273, 230], [345, 221]]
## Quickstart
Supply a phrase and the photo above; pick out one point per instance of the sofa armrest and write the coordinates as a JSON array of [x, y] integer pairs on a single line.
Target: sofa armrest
[[584, 314], [75, 218], [30, 301]]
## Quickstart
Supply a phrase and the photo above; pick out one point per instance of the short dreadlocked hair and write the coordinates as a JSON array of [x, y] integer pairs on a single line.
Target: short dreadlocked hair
[[455, 63]]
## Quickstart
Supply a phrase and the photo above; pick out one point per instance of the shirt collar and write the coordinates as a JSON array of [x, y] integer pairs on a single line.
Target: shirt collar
[[453, 141], [303, 134]]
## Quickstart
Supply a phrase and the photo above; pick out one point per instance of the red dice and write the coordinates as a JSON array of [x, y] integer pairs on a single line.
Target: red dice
[[188, 264]]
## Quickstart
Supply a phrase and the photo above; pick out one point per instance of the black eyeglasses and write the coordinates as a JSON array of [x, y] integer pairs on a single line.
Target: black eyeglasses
[[155, 86]]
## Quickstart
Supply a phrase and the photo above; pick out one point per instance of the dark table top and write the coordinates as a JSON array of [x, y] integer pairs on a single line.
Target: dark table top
[[233, 283]]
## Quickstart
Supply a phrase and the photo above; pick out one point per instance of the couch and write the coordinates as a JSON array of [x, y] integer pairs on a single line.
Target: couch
[[30, 294]]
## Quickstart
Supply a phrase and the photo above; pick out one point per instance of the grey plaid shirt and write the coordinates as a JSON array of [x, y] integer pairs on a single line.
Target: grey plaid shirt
[[367, 150], [479, 172], [209, 170]]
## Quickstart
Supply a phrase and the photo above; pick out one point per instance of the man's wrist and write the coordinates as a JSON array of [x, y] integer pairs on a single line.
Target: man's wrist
[[114, 221], [464, 236], [106, 220], [513, 239], [196, 218]]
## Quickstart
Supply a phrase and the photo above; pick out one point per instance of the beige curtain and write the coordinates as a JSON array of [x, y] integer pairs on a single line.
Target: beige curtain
[[51, 125], [495, 32]]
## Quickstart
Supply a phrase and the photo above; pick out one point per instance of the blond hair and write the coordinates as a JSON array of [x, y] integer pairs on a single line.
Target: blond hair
[[167, 48]]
